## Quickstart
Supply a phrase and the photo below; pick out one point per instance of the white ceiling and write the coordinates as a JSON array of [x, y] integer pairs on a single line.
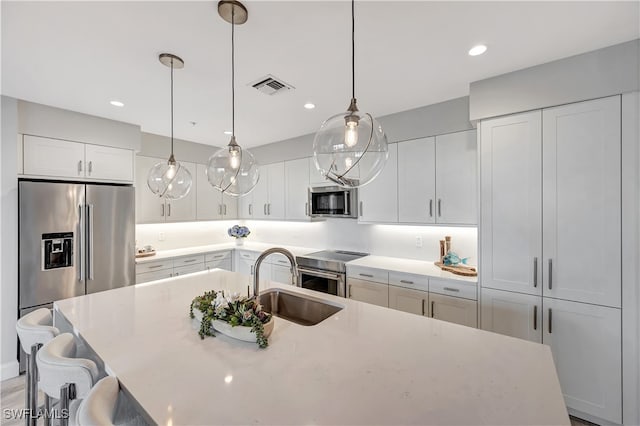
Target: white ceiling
[[80, 55]]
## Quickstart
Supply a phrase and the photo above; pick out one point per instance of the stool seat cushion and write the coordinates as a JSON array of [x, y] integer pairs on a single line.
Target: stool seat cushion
[[36, 327], [99, 407]]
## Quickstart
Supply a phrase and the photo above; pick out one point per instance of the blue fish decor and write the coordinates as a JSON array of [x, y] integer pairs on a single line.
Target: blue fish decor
[[452, 259]]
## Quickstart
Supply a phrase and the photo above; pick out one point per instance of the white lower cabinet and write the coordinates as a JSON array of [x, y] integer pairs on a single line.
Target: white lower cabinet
[[220, 260], [512, 314], [586, 343], [152, 276], [189, 269], [281, 274], [407, 300], [454, 309], [368, 291], [219, 264]]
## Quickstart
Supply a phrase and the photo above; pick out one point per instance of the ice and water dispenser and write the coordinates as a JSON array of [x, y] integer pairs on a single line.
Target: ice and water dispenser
[[57, 250]]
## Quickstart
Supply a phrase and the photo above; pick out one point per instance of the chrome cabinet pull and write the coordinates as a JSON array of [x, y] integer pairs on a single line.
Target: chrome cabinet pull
[[225, 209], [431, 207], [90, 169], [252, 269], [360, 209], [154, 266], [162, 214], [366, 275], [189, 260], [535, 317], [220, 209], [406, 282], [250, 209], [349, 291], [439, 207], [423, 307], [169, 209], [535, 272], [79, 166], [433, 310], [306, 209], [264, 209], [550, 274], [550, 320], [456, 290]]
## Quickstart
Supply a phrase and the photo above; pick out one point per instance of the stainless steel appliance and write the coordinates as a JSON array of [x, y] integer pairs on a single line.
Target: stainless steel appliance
[[325, 271], [333, 201], [75, 239]]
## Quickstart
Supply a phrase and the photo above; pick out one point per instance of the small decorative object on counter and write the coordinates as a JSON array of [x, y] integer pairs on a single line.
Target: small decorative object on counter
[[236, 316], [447, 244], [146, 251], [442, 250], [452, 259], [239, 233]]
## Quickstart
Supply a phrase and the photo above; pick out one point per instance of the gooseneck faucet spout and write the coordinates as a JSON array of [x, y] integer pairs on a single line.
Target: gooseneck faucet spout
[[256, 268]]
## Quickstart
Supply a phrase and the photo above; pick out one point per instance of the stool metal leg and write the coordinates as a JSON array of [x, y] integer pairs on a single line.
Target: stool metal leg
[[27, 391], [33, 385], [67, 393], [47, 410]]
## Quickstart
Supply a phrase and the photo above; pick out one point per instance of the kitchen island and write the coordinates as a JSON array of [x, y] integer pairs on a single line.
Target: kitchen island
[[363, 365]]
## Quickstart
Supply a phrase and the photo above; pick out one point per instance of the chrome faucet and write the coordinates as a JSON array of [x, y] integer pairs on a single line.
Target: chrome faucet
[[263, 255]]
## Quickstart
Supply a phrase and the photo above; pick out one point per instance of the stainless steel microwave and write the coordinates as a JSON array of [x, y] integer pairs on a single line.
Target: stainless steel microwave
[[333, 201]]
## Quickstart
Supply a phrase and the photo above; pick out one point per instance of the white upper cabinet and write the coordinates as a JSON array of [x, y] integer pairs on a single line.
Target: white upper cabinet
[[103, 162], [511, 213], [315, 177], [260, 195], [296, 176], [245, 206], [416, 181], [582, 202], [512, 314], [267, 200], [208, 199], [456, 178], [379, 198], [184, 209], [276, 191], [229, 207]]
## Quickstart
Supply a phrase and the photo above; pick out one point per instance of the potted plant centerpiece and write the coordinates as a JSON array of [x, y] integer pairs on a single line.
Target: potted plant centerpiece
[[240, 317], [239, 233]]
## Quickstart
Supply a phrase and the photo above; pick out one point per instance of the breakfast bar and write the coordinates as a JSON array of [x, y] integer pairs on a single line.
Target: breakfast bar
[[362, 365]]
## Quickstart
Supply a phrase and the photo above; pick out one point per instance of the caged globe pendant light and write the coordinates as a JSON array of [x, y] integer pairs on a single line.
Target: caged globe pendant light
[[233, 170], [350, 148], [169, 179]]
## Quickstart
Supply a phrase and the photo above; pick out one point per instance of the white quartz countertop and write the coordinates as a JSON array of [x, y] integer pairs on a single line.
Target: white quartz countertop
[[409, 266], [363, 365]]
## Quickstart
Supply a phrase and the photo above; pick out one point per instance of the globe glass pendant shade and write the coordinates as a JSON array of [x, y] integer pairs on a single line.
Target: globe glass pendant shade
[[233, 170], [350, 149], [169, 180]]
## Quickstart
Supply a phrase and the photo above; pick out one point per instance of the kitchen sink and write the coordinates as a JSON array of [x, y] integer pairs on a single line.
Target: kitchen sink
[[296, 308]]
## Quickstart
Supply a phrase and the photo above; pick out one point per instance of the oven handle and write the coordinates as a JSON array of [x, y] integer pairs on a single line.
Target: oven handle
[[321, 274]]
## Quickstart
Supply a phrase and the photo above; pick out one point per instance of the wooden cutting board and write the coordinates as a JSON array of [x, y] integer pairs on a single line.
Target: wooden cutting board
[[465, 271], [145, 254]]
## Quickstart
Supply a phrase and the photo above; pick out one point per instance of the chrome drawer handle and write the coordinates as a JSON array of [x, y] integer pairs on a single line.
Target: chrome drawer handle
[[154, 266], [366, 275], [406, 282], [535, 272], [550, 273], [451, 289], [190, 260]]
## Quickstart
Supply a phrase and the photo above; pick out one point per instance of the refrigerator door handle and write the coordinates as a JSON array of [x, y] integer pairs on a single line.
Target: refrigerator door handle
[[90, 242], [81, 227]]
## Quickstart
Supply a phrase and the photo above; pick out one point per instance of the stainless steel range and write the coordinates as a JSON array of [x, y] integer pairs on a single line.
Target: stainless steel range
[[325, 271]]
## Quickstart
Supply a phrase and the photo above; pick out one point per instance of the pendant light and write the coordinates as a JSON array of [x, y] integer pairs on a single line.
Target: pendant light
[[233, 170], [169, 179], [350, 148]]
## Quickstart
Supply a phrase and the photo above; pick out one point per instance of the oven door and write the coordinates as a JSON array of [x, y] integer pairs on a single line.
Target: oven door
[[322, 281]]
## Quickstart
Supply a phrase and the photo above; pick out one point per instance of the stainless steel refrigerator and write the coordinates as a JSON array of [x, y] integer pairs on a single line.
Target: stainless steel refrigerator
[[75, 239]]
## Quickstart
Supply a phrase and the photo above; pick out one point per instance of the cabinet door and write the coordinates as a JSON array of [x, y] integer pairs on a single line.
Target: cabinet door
[[149, 207], [582, 203], [281, 274], [208, 199], [189, 269], [244, 266], [276, 191], [368, 291], [417, 181], [512, 314], [456, 178], [152, 276], [379, 198], [315, 177], [407, 300], [511, 202], [53, 157], [260, 195], [296, 176], [184, 209], [586, 344], [104, 162], [229, 207], [245, 206], [220, 264], [454, 309]]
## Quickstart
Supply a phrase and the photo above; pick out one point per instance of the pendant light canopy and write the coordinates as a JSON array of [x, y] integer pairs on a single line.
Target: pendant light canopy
[[169, 179], [233, 170], [350, 148]]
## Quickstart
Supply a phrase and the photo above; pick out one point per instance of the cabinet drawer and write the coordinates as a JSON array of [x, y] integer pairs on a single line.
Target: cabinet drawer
[[220, 264], [158, 265], [279, 259], [248, 255], [217, 256], [368, 274], [413, 281], [189, 269], [187, 261], [454, 288], [152, 276]]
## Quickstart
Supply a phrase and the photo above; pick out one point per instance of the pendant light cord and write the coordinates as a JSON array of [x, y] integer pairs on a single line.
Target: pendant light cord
[[233, 73], [172, 107], [353, 50]]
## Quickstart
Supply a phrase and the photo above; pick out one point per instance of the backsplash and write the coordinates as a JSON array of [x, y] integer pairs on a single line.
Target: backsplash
[[344, 234]]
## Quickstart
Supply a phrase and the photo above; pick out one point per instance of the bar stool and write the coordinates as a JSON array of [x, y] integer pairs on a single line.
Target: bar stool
[[34, 330], [64, 376], [99, 407]]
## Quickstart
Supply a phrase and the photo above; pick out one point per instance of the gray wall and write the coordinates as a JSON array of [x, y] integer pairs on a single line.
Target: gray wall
[[437, 119], [42, 120], [8, 237], [160, 146], [609, 71]]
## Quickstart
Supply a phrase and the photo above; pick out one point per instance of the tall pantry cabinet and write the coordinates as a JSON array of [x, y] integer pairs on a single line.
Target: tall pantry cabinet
[[551, 243]]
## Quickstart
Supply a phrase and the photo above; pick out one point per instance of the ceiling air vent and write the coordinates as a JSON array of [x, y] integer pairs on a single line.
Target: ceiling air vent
[[271, 85]]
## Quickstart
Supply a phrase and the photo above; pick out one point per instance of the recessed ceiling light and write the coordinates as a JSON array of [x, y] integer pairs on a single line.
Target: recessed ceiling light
[[117, 103], [477, 50], [309, 105], [228, 132]]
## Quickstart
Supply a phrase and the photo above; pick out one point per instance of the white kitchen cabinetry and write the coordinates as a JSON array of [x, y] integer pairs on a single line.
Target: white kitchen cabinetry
[[454, 309], [220, 260], [268, 197], [586, 344], [512, 314], [368, 291], [58, 158], [281, 274], [211, 204], [417, 181], [511, 188], [154, 275], [378, 201], [244, 263], [296, 176], [245, 206], [456, 178], [188, 269], [407, 300], [152, 209]]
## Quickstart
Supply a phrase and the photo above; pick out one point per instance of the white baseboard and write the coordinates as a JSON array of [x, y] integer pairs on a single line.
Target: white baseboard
[[9, 370]]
